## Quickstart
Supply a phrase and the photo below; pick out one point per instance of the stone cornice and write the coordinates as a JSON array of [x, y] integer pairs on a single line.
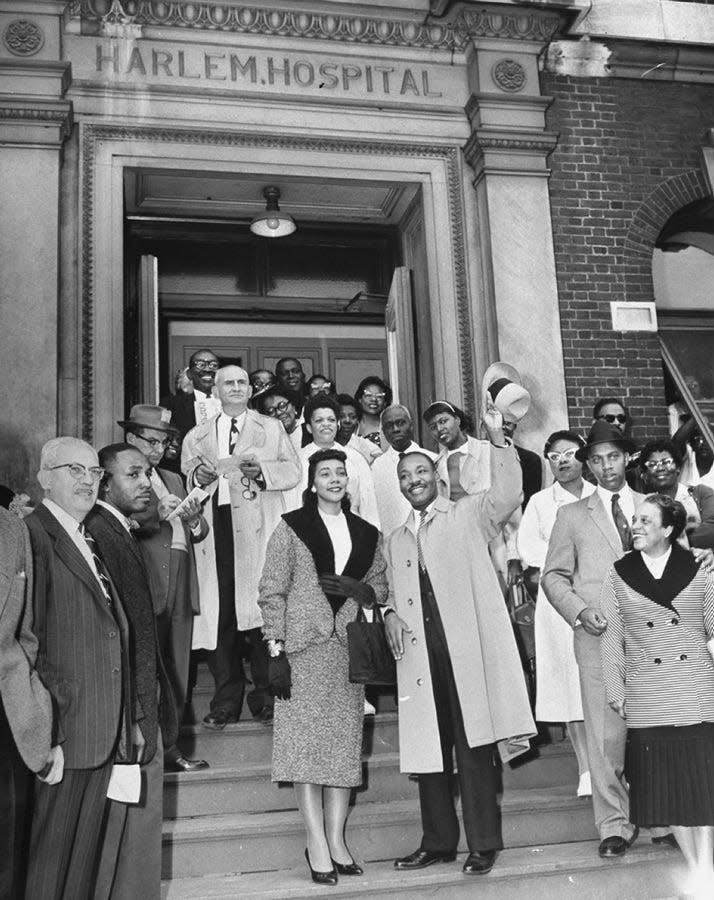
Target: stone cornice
[[494, 150], [215, 16], [38, 122]]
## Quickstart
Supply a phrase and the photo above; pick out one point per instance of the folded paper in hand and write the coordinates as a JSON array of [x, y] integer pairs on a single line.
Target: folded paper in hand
[[197, 493], [125, 783]]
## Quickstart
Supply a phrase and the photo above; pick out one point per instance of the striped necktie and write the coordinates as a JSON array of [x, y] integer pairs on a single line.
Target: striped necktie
[[420, 548], [623, 529], [99, 566], [233, 436]]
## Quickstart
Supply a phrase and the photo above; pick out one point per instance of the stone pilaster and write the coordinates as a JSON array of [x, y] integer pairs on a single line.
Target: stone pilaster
[[35, 120]]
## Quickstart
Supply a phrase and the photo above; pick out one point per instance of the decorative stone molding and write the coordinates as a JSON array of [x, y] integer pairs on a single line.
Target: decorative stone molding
[[213, 15], [54, 121], [94, 135], [509, 75], [517, 152], [23, 37]]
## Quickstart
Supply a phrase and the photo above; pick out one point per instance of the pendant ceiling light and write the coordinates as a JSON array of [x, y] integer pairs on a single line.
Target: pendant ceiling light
[[272, 223]]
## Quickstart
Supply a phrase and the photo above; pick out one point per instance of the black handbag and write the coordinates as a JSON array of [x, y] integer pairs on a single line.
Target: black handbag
[[371, 660]]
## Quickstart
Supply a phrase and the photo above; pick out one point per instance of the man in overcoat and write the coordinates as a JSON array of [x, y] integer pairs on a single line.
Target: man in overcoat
[[82, 636], [166, 546], [245, 461], [588, 536], [460, 681], [25, 704], [130, 866]]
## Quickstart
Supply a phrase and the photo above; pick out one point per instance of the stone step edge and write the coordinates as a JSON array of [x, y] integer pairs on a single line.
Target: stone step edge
[[281, 821], [574, 859]]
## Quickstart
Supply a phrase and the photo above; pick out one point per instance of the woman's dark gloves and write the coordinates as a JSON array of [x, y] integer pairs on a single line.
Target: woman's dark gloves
[[279, 677], [344, 586]]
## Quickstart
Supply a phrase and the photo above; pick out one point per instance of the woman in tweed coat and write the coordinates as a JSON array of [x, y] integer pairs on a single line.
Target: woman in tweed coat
[[659, 676], [306, 606]]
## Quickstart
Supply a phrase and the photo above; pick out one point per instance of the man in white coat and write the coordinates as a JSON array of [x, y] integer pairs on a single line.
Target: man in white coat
[[398, 429], [460, 681], [245, 461]]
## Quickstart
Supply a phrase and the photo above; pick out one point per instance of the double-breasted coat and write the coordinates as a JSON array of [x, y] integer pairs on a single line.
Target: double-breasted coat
[[479, 634], [254, 520], [654, 651]]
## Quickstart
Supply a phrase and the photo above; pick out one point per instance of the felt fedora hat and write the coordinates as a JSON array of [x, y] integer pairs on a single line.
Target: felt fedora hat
[[503, 384], [603, 432], [145, 416]]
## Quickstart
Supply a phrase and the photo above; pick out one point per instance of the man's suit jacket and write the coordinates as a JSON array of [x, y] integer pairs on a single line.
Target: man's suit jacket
[[122, 557], [27, 703], [183, 414], [81, 659], [532, 469], [582, 547], [155, 538]]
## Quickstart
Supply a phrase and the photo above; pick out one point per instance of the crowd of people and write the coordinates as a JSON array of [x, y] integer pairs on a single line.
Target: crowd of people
[[252, 516]]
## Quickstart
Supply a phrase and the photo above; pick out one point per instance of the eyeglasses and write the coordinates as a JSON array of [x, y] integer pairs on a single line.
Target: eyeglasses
[[619, 417], [78, 471], [653, 464], [155, 442], [374, 396], [202, 364], [248, 493], [325, 388], [565, 455], [279, 407]]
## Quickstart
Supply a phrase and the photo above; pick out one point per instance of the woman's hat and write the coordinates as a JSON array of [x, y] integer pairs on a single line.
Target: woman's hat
[[503, 384], [603, 432], [144, 416]]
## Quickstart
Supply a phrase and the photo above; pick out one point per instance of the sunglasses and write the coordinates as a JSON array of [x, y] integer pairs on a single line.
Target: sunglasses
[[619, 417], [565, 455], [248, 492]]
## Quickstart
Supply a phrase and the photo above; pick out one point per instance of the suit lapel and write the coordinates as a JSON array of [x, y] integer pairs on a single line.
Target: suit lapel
[[67, 551], [120, 532], [599, 515]]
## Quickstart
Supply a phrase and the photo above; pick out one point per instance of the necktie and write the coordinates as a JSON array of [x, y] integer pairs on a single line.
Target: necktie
[[420, 548], [623, 529], [453, 467], [233, 437], [102, 573]]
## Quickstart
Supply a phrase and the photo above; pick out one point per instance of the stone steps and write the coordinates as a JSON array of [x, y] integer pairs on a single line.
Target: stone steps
[[540, 872], [250, 842]]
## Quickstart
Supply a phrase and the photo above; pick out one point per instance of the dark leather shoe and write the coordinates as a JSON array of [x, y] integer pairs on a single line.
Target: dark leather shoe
[[479, 863], [668, 840], [420, 859], [321, 877], [615, 845], [265, 715], [218, 719], [181, 764], [348, 868]]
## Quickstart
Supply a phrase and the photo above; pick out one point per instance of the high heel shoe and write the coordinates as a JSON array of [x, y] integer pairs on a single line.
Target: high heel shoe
[[348, 868], [321, 877]]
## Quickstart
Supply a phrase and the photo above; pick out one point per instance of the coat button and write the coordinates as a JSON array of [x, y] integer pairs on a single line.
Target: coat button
[[675, 621], [116, 670], [409, 562], [410, 602], [650, 624], [414, 640], [683, 656], [420, 681], [112, 634], [657, 661]]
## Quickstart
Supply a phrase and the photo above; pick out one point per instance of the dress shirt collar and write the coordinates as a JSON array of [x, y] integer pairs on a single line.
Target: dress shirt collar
[[561, 495], [68, 522], [240, 419], [118, 514], [625, 493]]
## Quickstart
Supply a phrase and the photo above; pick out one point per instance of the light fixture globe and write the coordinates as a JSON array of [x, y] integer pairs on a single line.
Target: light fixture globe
[[272, 223]]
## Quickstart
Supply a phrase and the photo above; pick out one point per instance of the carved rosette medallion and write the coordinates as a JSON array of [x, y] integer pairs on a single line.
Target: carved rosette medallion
[[23, 38], [509, 75]]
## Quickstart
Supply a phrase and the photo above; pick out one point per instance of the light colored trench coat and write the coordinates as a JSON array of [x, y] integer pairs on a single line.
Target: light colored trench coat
[[253, 520], [487, 669]]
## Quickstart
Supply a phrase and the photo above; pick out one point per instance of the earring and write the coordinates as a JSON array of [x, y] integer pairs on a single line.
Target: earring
[[313, 490]]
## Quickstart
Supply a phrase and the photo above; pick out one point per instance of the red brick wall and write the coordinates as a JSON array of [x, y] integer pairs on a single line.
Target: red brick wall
[[627, 157]]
